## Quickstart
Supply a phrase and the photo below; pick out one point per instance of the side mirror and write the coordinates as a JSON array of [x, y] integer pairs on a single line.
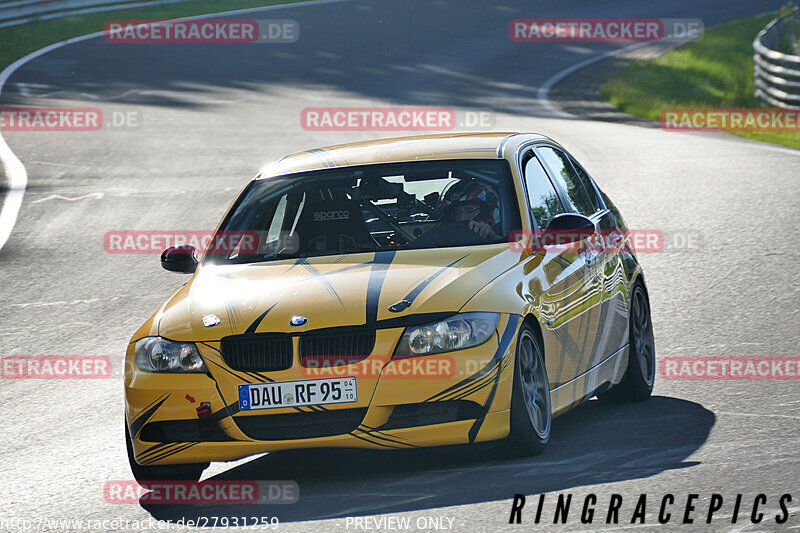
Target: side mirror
[[181, 258], [568, 228]]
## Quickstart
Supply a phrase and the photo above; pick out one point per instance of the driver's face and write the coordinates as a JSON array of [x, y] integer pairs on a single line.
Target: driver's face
[[465, 213]]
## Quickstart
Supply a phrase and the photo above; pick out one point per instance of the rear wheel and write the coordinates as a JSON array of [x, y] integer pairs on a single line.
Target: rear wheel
[[531, 416], [640, 375], [143, 474]]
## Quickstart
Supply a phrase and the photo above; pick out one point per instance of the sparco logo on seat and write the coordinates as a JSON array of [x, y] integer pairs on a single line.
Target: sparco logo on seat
[[331, 215]]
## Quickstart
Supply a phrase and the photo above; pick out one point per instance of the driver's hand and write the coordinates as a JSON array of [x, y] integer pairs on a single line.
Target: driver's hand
[[483, 229]]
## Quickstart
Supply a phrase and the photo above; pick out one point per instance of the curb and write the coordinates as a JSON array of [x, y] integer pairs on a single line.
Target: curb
[[578, 93]]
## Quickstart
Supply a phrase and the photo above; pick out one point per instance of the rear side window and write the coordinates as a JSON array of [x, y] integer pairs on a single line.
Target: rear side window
[[587, 183], [563, 171], [542, 195]]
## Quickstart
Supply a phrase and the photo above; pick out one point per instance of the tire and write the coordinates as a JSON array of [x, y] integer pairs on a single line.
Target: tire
[[640, 374], [531, 415], [143, 474]]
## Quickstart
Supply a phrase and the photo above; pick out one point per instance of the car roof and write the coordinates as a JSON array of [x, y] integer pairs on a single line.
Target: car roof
[[485, 145]]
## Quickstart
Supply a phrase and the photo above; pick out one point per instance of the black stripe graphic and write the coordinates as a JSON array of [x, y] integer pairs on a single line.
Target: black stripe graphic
[[206, 344], [237, 376], [171, 452], [322, 279], [376, 277], [411, 296], [371, 442], [508, 334], [136, 424], [163, 448], [152, 449], [375, 434], [257, 322], [468, 391], [486, 370]]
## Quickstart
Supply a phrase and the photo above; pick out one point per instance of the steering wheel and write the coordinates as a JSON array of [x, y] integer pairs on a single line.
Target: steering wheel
[[459, 232]]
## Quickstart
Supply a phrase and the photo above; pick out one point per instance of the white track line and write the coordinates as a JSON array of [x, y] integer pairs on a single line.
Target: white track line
[[544, 91], [16, 174]]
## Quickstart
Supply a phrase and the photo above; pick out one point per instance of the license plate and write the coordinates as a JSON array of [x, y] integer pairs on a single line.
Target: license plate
[[297, 393]]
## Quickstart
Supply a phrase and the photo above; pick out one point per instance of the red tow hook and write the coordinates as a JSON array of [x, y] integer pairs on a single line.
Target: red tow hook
[[204, 410]]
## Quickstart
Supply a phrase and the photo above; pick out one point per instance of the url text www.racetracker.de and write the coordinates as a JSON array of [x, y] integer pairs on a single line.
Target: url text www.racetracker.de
[[49, 523], [651, 509]]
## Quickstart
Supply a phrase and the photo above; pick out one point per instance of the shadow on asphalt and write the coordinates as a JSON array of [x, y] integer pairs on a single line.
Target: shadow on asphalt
[[595, 443]]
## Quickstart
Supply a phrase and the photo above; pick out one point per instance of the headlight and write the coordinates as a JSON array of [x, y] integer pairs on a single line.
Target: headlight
[[156, 354], [455, 333]]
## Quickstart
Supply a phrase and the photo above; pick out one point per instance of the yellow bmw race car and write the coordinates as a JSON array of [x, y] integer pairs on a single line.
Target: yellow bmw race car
[[392, 294]]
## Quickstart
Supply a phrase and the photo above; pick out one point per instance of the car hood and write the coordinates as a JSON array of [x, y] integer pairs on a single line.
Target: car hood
[[330, 291]]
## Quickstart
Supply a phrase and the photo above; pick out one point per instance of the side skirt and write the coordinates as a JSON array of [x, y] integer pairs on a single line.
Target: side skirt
[[581, 388]]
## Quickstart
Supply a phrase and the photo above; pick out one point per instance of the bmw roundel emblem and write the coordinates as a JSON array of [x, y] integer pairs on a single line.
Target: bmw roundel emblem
[[298, 321]]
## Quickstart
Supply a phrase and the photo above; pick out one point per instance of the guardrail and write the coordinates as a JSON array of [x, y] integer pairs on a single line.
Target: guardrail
[[23, 11], [776, 75]]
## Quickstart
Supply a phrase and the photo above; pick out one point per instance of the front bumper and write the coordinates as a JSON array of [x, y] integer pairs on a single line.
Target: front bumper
[[464, 397]]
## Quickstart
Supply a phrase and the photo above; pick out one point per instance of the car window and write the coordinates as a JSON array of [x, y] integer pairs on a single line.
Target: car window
[[542, 195], [563, 171], [587, 183], [412, 205]]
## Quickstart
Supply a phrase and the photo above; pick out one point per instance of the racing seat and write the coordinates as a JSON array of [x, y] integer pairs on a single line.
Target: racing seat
[[332, 226]]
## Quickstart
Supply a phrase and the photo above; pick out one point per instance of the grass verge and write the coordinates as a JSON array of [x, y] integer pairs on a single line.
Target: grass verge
[[715, 72], [18, 41]]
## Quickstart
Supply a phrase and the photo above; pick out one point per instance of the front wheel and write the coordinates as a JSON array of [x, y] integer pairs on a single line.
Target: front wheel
[[143, 474], [640, 375], [531, 416]]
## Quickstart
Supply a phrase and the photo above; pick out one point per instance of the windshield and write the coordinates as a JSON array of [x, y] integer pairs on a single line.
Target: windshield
[[413, 205]]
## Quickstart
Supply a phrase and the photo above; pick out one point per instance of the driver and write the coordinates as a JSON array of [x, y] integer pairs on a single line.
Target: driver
[[471, 203], [474, 204]]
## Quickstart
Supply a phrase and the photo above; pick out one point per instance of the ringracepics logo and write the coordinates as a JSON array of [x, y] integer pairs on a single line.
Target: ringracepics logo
[[56, 367], [201, 493], [202, 31], [584, 30], [66, 119], [740, 119], [653, 509], [155, 242], [730, 368], [393, 119]]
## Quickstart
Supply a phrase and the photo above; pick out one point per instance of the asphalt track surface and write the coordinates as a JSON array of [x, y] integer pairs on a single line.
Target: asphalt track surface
[[211, 115]]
